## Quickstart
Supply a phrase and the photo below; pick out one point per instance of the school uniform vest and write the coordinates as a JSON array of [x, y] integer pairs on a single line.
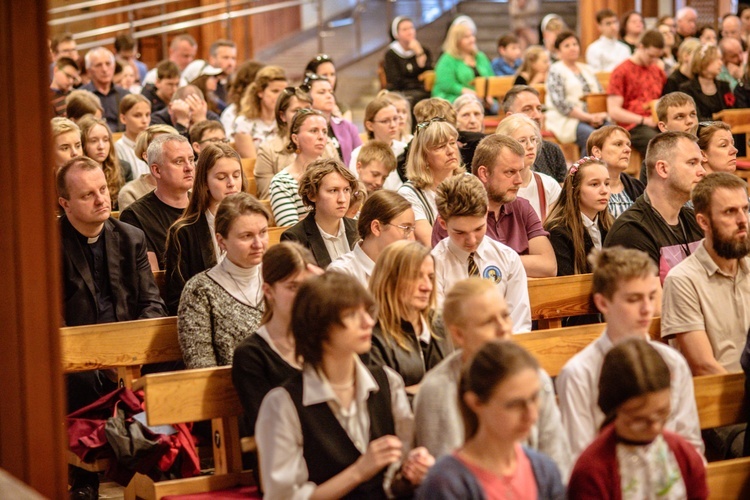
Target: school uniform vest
[[328, 450]]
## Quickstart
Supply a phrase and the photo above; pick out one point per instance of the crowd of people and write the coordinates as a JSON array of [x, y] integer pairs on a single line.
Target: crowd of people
[[372, 349]]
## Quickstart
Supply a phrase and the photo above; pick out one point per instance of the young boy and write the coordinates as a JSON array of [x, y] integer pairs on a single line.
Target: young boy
[[510, 56], [375, 163], [462, 211], [204, 133], [326, 187], [65, 75], [167, 82], [607, 52], [626, 292]]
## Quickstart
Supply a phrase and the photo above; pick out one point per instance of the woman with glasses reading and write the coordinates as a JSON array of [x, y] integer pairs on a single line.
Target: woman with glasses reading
[[386, 217], [407, 338], [192, 246], [255, 122], [433, 157], [539, 189], [273, 154], [341, 132], [338, 429], [307, 140], [382, 123]]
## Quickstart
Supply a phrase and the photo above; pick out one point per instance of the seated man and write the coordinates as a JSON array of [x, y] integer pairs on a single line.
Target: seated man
[[525, 99], [206, 132], [167, 82], [375, 163], [66, 141], [474, 314], [659, 223], [626, 292], [676, 112], [512, 221], [731, 57], [326, 187], [64, 77], [100, 66], [172, 165], [187, 107], [706, 296], [606, 52], [462, 207], [633, 85]]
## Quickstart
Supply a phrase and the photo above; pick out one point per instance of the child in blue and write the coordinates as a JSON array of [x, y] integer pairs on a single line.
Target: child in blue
[[510, 56]]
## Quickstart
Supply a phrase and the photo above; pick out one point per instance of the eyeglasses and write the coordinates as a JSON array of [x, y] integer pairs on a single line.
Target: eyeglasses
[[703, 125], [396, 120], [215, 140], [424, 125], [293, 90], [312, 77], [525, 141], [405, 228]]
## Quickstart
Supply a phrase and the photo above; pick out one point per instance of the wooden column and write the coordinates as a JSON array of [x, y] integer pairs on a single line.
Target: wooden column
[[587, 10], [32, 430]]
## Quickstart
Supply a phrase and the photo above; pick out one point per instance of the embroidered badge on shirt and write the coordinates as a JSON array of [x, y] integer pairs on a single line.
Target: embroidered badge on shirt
[[492, 273]]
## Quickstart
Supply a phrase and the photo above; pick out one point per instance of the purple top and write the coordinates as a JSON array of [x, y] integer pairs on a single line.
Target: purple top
[[516, 225], [348, 136]]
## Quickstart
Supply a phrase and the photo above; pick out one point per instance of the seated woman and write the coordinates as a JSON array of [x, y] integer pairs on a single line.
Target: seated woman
[[307, 139], [406, 337], [534, 67], [222, 306], [96, 141], [135, 114], [499, 399], [631, 29], [326, 189], [338, 429], [633, 451], [267, 359], [404, 113], [707, 35], [460, 63], [341, 131], [382, 123], [710, 94], [191, 241], [405, 60], [273, 154], [141, 186], [717, 146], [433, 157], [256, 120], [469, 114], [611, 144], [240, 81], [667, 58], [580, 219], [385, 217], [322, 66], [80, 103], [567, 82], [681, 73], [539, 189]]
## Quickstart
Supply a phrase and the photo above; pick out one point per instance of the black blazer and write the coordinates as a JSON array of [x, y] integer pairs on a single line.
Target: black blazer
[[133, 288], [195, 256], [307, 233], [562, 243]]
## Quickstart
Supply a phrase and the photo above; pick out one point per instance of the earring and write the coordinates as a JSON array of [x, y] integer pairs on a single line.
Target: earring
[[298, 150]]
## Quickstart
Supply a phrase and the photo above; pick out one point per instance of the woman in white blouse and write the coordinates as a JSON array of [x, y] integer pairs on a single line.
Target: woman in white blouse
[[338, 428], [539, 189], [256, 120], [433, 157]]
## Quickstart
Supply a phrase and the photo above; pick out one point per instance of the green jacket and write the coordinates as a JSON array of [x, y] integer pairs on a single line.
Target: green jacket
[[452, 75]]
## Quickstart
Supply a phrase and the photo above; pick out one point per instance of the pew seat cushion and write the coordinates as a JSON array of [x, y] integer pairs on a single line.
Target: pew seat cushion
[[244, 492]]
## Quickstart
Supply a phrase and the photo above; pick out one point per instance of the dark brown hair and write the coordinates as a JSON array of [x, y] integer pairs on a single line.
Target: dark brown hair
[[282, 261], [383, 206]]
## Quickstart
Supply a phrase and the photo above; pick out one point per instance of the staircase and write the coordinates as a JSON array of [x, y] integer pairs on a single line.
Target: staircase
[[493, 20]]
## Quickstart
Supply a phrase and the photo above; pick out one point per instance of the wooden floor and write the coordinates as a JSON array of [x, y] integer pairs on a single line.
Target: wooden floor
[[111, 491]]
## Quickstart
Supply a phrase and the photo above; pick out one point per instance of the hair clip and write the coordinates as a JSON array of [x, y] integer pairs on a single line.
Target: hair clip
[[578, 164]]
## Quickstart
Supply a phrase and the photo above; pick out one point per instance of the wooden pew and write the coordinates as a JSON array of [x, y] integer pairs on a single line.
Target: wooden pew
[[248, 167], [554, 347], [603, 77], [115, 215], [553, 299], [729, 479], [493, 86], [428, 79], [192, 396], [595, 103]]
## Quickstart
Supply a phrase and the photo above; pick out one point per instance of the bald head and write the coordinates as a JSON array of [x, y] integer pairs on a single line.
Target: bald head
[[731, 27], [731, 51]]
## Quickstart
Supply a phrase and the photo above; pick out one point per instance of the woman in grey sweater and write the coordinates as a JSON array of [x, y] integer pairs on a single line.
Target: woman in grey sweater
[[220, 307]]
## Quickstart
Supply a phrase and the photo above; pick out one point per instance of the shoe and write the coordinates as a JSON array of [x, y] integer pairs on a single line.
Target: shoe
[[87, 492]]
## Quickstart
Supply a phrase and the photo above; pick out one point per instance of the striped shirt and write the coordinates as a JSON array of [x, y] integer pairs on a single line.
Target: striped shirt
[[286, 203], [618, 203]]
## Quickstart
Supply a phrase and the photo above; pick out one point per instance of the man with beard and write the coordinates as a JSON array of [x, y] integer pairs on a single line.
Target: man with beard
[[659, 223], [706, 297], [512, 221]]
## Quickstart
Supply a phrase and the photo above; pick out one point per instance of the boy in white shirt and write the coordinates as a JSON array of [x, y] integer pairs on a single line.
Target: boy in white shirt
[[626, 292], [605, 53], [462, 211]]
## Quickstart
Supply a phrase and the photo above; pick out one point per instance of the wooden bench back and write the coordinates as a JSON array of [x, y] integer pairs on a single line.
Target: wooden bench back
[[720, 399], [555, 298], [729, 479], [493, 86], [428, 79]]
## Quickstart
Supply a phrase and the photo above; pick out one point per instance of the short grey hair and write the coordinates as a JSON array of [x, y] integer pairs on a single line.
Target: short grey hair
[[465, 100], [684, 12], [155, 151], [97, 50]]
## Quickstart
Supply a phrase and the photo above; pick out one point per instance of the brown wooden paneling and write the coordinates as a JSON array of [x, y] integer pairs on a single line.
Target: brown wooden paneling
[[32, 431], [587, 10]]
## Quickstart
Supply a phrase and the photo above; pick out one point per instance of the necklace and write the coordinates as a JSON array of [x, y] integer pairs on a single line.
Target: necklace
[[257, 294], [342, 387]]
